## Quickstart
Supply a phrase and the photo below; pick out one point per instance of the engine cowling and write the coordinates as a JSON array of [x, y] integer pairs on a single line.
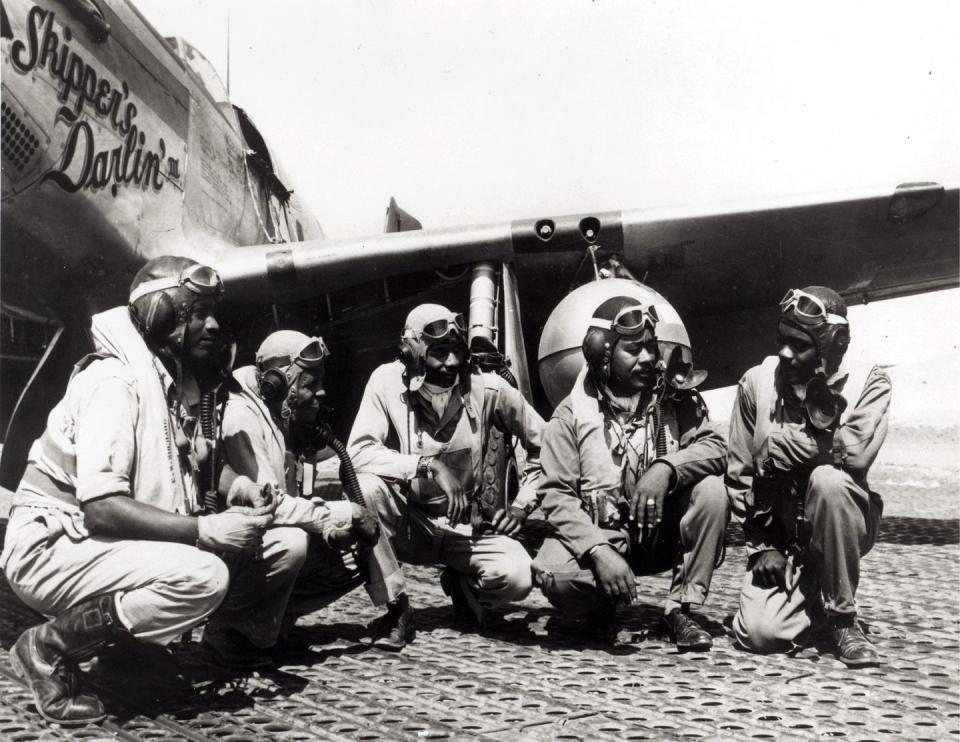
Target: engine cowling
[[559, 357]]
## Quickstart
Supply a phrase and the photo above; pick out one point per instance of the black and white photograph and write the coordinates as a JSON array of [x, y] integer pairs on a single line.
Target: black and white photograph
[[523, 371]]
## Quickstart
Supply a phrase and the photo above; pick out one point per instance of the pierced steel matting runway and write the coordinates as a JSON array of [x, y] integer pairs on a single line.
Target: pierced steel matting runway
[[531, 675]]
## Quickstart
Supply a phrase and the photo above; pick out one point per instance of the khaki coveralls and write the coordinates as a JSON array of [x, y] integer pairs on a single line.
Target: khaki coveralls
[[843, 512]]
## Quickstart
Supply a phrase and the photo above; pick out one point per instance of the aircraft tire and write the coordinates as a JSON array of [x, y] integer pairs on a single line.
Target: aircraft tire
[[500, 475]]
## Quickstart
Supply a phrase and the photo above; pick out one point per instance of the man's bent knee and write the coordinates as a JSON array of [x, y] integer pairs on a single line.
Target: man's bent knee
[[827, 480], [709, 495], [207, 581], [757, 633], [509, 578], [289, 545]]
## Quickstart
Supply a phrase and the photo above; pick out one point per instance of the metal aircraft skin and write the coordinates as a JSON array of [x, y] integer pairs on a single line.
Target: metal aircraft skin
[[119, 145]]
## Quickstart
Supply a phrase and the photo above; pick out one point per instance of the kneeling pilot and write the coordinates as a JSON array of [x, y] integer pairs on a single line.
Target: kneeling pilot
[[622, 453]]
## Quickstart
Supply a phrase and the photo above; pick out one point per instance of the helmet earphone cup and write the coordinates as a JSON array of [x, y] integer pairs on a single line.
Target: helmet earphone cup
[[595, 346], [272, 384], [407, 356], [155, 315], [838, 340], [596, 351]]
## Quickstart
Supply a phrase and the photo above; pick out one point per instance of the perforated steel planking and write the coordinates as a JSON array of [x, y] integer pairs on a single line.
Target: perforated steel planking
[[531, 675]]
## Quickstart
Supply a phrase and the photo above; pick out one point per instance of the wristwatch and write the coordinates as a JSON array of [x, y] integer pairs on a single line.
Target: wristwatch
[[423, 468]]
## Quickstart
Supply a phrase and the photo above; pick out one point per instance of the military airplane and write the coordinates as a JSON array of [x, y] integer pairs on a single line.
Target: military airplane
[[120, 145]]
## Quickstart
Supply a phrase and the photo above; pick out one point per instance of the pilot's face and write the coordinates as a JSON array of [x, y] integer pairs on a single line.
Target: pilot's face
[[798, 354], [443, 362], [633, 364], [309, 393], [202, 336]]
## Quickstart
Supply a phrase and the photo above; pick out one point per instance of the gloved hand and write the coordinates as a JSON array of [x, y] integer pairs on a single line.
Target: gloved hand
[[232, 531], [251, 495], [509, 521], [365, 527]]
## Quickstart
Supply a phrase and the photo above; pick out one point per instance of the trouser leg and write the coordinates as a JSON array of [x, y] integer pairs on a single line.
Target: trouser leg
[[261, 585], [385, 579], [844, 520], [164, 589], [702, 530], [327, 575], [569, 585]]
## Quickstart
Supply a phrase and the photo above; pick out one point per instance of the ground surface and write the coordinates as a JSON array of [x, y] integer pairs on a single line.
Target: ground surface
[[532, 676]]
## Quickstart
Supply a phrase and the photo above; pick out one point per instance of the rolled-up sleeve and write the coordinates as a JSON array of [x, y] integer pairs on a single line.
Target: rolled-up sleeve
[[105, 435]]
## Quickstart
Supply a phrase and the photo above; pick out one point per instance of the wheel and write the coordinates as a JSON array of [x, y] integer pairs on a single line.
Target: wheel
[[500, 475]]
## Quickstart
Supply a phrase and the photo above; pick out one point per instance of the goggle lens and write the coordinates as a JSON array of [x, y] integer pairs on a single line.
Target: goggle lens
[[313, 353], [202, 279], [806, 307], [441, 328], [633, 320]]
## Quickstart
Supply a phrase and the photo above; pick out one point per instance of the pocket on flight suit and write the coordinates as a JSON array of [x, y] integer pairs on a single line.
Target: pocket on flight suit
[[29, 533]]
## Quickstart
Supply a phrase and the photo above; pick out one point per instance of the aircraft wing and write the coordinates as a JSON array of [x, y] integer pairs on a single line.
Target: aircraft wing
[[868, 245]]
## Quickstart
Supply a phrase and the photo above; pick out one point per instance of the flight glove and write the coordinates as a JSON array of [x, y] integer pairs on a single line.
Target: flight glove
[[232, 531]]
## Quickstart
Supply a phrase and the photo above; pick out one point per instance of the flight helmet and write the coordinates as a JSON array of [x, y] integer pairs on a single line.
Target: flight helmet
[[615, 318], [280, 361], [162, 295], [426, 325], [821, 313]]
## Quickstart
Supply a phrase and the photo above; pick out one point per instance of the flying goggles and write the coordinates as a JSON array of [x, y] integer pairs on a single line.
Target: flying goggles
[[439, 329], [200, 279], [311, 355], [808, 309], [630, 321]]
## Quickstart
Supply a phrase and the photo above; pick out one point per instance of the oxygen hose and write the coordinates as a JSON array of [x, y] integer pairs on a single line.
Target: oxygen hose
[[348, 476], [208, 406], [661, 436], [347, 473], [504, 373]]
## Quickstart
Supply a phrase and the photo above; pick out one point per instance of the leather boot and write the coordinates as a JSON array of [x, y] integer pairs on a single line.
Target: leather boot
[[852, 646], [46, 656], [395, 628], [685, 632], [466, 606]]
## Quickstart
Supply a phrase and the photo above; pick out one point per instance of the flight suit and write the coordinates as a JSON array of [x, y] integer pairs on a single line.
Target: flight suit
[[842, 512], [585, 463], [394, 428], [297, 570], [111, 434]]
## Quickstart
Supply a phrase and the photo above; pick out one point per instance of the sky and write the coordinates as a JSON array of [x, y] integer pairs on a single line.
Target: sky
[[482, 112]]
